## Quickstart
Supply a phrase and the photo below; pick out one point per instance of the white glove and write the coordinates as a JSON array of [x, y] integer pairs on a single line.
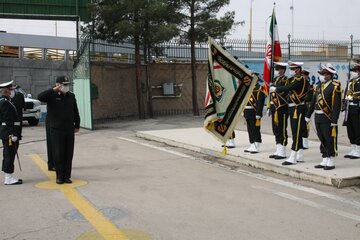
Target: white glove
[[268, 112], [272, 89], [14, 138], [258, 117], [307, 119], [333, 124]]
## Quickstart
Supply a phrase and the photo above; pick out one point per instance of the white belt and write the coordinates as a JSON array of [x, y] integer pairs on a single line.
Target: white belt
[[249, 107], [15, 123], [294, 104], [319, 112], [353, 104]]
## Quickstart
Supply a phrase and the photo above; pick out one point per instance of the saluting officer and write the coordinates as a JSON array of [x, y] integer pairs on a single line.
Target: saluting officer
[[353, 112], [327, 105], [296, 90], [9, 134], [308, 99], [253, 114], [64, 121], [279, 112]]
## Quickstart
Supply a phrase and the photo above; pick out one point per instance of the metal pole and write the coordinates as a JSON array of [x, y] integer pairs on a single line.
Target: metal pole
[[289, 46], [351, 46], [250, 32], [292, 18]]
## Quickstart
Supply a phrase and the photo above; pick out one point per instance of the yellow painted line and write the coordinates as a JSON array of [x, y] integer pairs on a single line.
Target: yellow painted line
[[103, 226]]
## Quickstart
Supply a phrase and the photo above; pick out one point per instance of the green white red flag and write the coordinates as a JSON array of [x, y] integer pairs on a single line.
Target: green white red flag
[[273, 49]]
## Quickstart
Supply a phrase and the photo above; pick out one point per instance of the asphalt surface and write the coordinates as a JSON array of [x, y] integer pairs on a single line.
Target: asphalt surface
[[129, 188]]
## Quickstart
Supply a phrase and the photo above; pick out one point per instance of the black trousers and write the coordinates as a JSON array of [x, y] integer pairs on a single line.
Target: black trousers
[[298, 125], [305, 130], [253, 130], [280, 128], [328, 146], [62, 142], [51, 163], [9, 153], [353, 125]]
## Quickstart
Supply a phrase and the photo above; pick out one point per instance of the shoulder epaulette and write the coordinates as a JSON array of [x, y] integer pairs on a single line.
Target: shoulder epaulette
[[336, 83]]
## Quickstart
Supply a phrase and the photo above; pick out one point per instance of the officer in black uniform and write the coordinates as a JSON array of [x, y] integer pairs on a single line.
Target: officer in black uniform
[[279, 112], [18, 100], [253, 113], [308, 99], [9, 134], [296, 90], [64, 121], [327, 105], [353, 112]]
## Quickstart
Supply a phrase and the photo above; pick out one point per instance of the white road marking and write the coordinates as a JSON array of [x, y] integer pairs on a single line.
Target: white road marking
[[352, 203]]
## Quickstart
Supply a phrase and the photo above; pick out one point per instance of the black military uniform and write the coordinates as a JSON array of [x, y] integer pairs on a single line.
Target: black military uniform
[[296, 90], [279, 114], [19, 102], [327, 105], [252, 114], [353, 113], [308, 99], [9, 134], [51, 164], [63, 120]]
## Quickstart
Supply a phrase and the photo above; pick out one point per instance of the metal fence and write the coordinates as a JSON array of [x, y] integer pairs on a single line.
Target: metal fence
[[175, 51]]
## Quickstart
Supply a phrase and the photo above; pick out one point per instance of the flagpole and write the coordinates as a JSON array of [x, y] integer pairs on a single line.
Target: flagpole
[[272, 46]]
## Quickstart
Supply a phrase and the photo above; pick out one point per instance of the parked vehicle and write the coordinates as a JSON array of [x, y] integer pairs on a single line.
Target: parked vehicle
[[32, 112]]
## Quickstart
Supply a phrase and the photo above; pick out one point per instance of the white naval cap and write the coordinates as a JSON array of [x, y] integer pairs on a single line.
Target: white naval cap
[[305, 70], [281, 64], [327, 68], [295, 64], [7, 84]]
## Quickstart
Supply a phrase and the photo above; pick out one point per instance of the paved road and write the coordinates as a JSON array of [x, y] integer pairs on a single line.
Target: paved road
[[129, 188]]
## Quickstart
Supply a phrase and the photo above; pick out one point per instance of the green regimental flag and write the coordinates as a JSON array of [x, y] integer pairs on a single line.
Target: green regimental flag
[[229, 87]]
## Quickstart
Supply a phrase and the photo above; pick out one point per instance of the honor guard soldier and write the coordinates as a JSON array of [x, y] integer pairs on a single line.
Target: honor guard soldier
[[327, 105], [279, 112], [308, 99], [253, 114], [64, 121], [18, 100], [352, 114], [9, 132], [296, 90]]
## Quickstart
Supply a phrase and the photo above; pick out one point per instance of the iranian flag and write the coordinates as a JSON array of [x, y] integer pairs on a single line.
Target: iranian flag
[[273, 50]]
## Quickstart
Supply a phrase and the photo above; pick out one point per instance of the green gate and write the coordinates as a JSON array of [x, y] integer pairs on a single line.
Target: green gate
[[82, 83]]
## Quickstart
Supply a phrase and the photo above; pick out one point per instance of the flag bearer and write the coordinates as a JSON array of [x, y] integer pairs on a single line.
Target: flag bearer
[[279, 112]]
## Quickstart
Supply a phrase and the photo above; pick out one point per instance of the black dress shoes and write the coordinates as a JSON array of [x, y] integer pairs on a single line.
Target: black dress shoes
[[51, 169], [287, 163], [59, 181], [68, 180], [19, 181], [319, 166], [277, 157], [329, 168]]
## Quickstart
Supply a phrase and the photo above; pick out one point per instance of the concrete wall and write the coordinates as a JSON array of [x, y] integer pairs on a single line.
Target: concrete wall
[[33, 76], [117, 89]]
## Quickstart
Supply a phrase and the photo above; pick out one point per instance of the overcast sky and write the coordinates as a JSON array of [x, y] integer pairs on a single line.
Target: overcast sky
[[313, 19]]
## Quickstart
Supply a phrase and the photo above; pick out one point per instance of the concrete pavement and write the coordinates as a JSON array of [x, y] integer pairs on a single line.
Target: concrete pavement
[[346, 173]]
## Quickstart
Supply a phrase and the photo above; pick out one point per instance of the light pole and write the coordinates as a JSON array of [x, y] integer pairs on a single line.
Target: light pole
[[292, 18], [250, 32]]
